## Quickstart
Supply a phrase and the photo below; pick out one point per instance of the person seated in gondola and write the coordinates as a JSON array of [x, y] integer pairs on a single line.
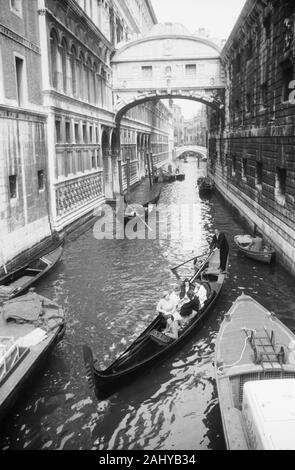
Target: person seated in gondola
[[201, 293], [172, 327], [175, 295], [189, 305], [166, 308]]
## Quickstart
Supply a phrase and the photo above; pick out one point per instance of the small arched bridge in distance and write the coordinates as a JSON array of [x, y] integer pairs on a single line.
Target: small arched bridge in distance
[[191, 148]]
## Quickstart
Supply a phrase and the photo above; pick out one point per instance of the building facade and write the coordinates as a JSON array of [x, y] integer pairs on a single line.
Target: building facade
[[78, 40], [61, 156], [24, 204], [195, 129], [178, 125], [252, 146]]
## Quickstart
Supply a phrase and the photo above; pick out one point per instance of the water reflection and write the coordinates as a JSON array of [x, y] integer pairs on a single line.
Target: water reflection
[[109, 290]]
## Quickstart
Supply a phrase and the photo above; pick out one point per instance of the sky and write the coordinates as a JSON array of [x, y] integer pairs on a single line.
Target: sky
[[217, 16]]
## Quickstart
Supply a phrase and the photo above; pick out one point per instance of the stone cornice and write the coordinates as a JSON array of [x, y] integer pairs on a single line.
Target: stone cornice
[[83, 20], [20, 39], [21, 114], [55, 95], [192, 38], [87, 21], [71, 33], [167, 59]]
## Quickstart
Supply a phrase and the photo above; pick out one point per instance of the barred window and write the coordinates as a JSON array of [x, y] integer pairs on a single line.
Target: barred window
[[13, 186], [190, 70], [41, 180], [280, 185], [147, 71]]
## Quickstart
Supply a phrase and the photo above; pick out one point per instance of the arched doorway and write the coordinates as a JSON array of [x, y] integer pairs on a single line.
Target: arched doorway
[[107, 165]]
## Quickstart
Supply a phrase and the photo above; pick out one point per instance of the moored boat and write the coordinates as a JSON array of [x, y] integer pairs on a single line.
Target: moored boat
[[142, 208], [205, 185], [153, 345], [180, 176], [255, 376], [170, 177], [261, 252], [30, 326], [20, 280]]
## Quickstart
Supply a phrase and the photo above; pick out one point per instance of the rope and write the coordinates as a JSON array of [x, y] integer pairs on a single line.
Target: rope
[[219, 371]]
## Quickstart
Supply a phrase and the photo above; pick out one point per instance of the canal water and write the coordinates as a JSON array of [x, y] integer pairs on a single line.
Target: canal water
[[109, 290]]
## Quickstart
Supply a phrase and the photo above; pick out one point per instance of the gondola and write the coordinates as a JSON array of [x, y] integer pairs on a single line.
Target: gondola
[[141, 209], [17, 282], [180, 176], [31, 325], [265, 255], [170, 177], [153, 345], [255, 377], [205, 186]]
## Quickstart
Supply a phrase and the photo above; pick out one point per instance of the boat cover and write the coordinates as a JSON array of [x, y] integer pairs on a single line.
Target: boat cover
[[23, 309]]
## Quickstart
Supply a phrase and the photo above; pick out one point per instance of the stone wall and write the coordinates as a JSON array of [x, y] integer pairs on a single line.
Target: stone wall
[[252, 147]]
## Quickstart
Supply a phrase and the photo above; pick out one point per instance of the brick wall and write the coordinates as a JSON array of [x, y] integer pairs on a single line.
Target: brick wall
[[252, 152]]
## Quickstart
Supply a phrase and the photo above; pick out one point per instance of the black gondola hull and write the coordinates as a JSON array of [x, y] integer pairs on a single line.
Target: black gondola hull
[[105, 384]]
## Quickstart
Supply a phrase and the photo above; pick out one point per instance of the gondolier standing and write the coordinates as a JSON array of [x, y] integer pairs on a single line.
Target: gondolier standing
[[219, 241]]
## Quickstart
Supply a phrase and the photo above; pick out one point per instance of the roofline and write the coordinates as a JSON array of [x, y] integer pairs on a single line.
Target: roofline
[[152, 11], [248, 7], [165, 37]]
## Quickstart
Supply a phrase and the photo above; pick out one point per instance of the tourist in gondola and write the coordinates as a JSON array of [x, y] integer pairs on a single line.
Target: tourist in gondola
[[219, 241], [189, 302], [175, 295], [201, 293], [166, 307]]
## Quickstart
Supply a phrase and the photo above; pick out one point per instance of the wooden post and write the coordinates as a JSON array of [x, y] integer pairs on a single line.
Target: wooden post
[[128, 173], [120, 174], [152, 166], [118, 144], [149, 167]]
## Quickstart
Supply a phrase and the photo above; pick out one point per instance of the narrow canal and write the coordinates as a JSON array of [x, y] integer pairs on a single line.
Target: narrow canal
[[109, 290]]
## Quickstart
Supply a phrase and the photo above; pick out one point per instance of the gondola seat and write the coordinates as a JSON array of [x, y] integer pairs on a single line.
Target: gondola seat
[[160, 338]]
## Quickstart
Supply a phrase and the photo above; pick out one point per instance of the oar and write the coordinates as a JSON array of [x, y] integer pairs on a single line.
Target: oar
[[195, 257], [200, 268], [141, 219]]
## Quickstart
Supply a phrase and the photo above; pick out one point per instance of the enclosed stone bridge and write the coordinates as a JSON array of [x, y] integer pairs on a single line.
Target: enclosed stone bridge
[[167, 63]]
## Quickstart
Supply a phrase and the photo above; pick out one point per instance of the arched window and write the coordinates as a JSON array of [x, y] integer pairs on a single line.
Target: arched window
[[81, 75], [89, 82], [85, 81], [53, 58], [74, 70], [94, 78], [64, 58]]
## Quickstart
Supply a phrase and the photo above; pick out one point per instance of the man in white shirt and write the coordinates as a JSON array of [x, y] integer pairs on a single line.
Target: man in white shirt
[[201, 293]]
